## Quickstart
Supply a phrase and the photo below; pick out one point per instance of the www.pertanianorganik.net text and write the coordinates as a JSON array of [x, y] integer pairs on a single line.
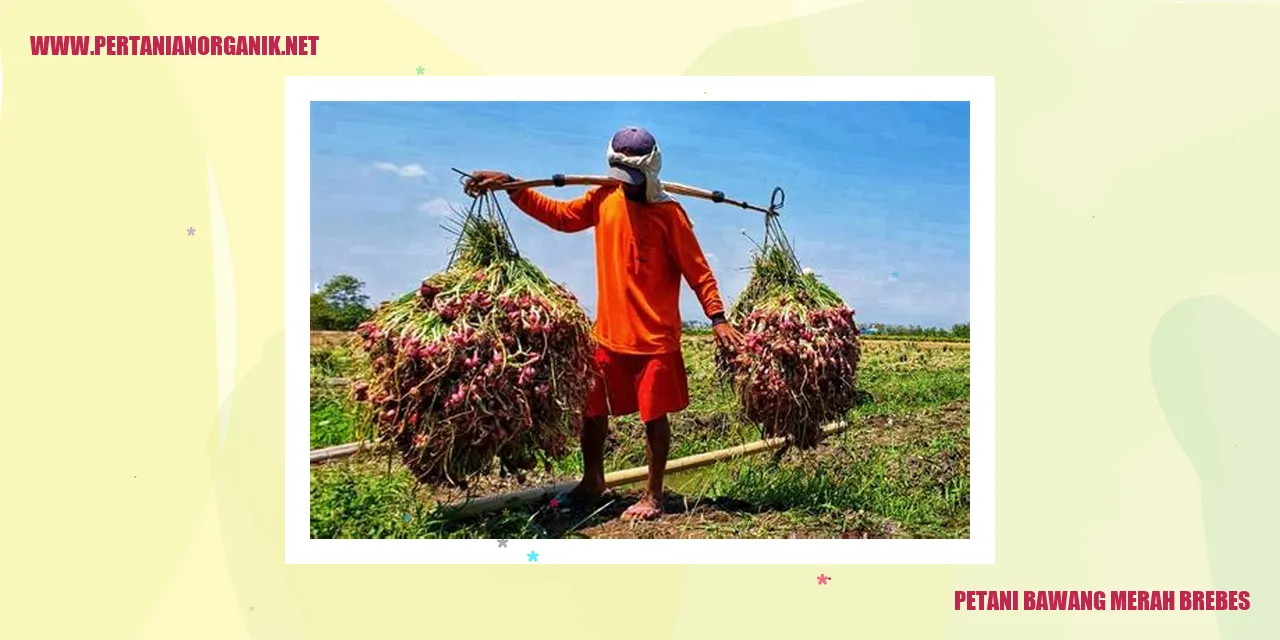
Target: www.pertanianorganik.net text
[[174, 45]]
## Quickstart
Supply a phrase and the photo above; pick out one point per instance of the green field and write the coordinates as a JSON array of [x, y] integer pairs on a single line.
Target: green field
[[902, 471]]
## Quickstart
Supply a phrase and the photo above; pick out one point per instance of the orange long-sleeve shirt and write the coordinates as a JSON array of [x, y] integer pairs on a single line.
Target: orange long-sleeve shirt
[[642, 250]]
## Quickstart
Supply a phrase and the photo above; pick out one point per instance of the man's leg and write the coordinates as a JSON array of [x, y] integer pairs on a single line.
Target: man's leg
[[595, 427], [662, 390], [657, 445], [594, 432]]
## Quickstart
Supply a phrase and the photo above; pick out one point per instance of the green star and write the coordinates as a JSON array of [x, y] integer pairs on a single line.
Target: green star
[[420, 70]]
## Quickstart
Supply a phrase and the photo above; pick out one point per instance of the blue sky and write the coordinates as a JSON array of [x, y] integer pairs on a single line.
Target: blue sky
[[873, 190]]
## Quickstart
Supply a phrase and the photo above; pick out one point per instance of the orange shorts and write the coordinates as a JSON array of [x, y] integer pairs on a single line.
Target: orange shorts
[[653, 385]]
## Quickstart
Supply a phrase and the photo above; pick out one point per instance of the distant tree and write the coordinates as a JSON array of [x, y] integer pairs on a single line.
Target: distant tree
[[961, 330], [321, 314], [339, 305], [344, 290]]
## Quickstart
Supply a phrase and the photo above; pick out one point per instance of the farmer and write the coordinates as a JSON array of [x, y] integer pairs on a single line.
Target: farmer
[[644, 244]]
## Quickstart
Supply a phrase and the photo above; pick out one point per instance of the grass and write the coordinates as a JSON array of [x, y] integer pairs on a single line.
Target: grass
[[901, 471], [333, 418], [917, 481]]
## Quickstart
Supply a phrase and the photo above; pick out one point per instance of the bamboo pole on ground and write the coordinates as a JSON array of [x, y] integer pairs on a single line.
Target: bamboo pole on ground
[[327, 454], [618, 478]]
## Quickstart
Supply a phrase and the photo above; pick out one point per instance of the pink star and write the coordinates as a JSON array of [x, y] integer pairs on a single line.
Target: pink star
[[822, 579], [554, 503]]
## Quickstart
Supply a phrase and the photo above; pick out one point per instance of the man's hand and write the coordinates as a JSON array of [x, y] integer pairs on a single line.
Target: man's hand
[[483, 181], [728, 337]]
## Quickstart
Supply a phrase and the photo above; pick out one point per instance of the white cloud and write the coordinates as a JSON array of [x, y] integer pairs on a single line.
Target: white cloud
[[438, 208], [405, 171]]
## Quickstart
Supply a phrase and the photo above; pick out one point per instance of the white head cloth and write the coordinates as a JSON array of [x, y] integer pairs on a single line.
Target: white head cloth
[[650, 165]]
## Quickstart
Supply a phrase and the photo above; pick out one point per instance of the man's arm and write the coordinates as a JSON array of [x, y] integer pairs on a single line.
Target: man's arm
[[569, 217], [693, 265], [566, 216]]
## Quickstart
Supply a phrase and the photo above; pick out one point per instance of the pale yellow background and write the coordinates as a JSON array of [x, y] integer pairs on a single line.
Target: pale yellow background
[[1136, 167]]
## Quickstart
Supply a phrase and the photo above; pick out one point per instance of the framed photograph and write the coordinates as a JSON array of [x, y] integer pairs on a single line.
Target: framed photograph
[[640, 320]]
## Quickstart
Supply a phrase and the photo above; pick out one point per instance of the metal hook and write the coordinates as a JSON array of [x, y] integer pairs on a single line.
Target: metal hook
[[776, 200]]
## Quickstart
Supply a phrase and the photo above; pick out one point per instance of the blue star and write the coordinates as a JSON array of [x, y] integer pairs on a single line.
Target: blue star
[[533, 556], [407, 517], [895, 275]]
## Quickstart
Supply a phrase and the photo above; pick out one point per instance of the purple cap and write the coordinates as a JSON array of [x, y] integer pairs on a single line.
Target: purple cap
[[631, 141]]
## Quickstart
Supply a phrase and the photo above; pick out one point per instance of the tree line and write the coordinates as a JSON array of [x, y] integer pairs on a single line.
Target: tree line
[[960, 331], [341, 305]]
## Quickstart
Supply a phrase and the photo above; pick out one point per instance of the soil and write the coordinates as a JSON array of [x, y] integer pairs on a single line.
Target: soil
[[693, 517]]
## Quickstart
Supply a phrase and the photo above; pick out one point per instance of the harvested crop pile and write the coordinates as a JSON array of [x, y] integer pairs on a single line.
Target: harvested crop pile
[[488, 360], [797, 370]]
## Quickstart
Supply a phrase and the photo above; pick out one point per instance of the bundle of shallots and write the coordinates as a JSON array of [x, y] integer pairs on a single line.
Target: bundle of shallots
[[797, 370], [487, 360]]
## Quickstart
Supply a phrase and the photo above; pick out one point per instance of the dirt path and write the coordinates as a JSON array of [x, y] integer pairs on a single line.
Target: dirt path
[[690, 516]]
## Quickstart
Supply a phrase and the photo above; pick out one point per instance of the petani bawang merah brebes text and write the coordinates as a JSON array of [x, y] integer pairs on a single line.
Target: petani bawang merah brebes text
[[1102, 601]]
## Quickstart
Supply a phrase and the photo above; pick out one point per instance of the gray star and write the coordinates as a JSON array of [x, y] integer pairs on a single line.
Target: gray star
[[502, 543]]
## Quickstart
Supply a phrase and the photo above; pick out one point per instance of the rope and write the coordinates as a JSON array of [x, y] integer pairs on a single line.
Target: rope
[[775, 236], [484, 206], [506, 228]]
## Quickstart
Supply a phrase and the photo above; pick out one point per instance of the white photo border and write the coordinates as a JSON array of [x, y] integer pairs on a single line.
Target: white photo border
[[979, 92]]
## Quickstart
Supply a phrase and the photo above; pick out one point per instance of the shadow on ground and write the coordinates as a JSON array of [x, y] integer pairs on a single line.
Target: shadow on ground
[[686, 517]]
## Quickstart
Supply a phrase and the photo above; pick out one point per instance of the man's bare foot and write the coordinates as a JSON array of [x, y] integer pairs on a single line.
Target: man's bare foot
[[587, 490], [648, 508]]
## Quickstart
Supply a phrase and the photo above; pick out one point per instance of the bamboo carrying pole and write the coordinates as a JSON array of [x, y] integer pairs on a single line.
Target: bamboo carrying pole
[[560, 180], [618, 478]]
